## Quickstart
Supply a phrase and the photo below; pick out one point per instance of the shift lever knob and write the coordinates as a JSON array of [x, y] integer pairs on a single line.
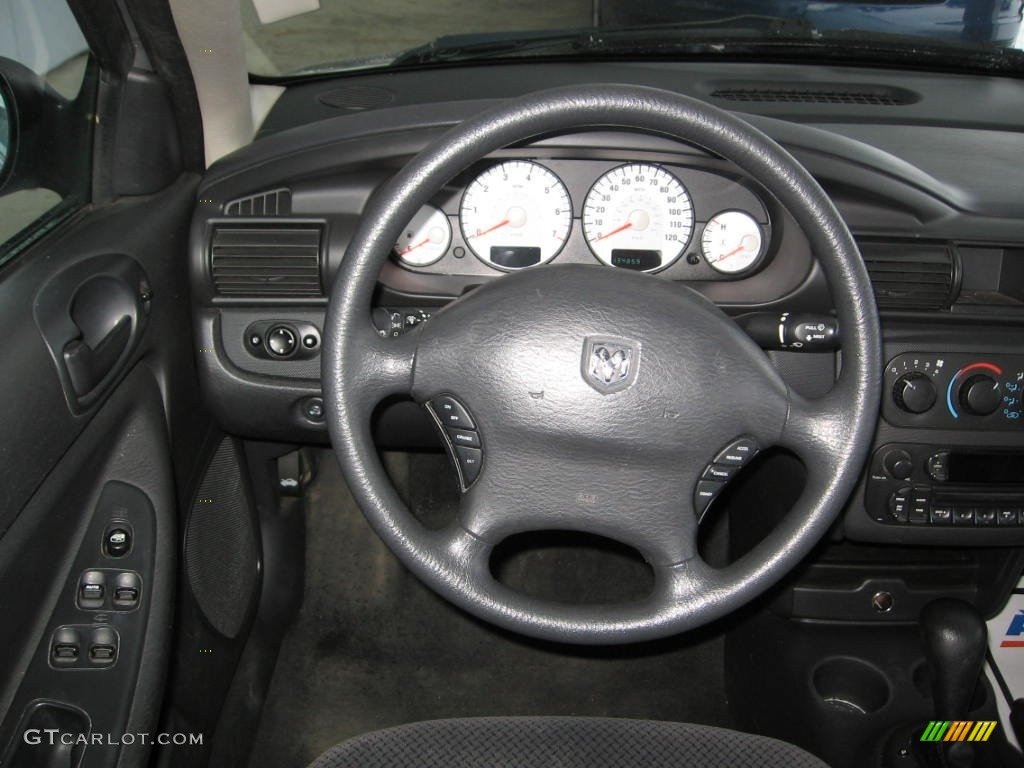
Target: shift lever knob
[[954, 640]]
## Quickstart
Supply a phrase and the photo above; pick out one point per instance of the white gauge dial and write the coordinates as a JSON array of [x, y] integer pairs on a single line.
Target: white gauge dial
[[516, 214], [638, 216], [426, 239], [731, 242]]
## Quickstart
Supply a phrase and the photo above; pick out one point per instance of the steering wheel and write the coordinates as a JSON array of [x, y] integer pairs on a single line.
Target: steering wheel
[[598, 395]]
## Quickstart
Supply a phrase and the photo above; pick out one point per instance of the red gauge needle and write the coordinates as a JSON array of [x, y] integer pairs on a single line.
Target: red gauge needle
[[499, 225], [615, 231], [424, 241], [733, 252]]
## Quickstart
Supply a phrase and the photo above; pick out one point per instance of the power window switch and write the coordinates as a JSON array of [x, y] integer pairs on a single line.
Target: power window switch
[[92, 592], [127, 590], [101, 654], [103, 646], [126, 595], [66, 647]]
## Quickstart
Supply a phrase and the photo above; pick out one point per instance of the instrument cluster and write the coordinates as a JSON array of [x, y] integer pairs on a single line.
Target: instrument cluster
[[520, 213]]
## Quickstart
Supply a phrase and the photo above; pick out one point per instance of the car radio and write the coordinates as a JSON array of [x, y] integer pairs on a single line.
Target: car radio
[[910, 484]]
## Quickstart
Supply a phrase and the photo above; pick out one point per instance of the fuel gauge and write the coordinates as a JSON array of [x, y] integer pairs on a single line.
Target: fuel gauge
[[426, 239], [732, 242]]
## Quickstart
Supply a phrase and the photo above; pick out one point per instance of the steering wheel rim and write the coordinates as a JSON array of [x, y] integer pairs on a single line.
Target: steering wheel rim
[[831, 434]]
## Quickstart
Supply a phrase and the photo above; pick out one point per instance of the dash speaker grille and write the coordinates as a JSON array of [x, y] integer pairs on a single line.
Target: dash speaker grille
[[357, 97], [221, 554]]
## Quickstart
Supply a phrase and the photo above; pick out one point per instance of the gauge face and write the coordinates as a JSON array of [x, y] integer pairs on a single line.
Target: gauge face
[[638, 216], [516, 214], [426, 239], [731, 242]]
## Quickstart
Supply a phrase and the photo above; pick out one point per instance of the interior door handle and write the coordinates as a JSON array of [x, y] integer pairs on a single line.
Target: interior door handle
[[87, 366], [92, 316], [102, 309]]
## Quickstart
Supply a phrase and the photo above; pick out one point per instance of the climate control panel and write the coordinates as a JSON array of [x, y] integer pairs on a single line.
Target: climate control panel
[[956, 391]]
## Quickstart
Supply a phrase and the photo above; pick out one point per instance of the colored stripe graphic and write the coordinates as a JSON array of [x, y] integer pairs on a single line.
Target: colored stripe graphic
[[935, 731], [958, 730]]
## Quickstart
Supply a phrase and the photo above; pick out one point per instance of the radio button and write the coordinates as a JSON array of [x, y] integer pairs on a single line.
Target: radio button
[[963, 516], [985, 516], [938, 466], [1006, 516], [921, 502], [899, 505], [941, 514]]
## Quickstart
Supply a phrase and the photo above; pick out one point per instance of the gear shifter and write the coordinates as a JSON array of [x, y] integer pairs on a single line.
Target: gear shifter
[[954, 639]]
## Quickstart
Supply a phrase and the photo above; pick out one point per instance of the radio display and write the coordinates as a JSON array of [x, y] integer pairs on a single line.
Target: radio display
[[996, 468]]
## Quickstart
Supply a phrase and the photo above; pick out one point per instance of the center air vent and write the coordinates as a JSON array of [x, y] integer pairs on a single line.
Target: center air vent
[[267, 260], [912, 275], [814, 93]]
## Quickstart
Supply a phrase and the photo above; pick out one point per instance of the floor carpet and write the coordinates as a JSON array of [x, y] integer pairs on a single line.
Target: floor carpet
[[372, 647]]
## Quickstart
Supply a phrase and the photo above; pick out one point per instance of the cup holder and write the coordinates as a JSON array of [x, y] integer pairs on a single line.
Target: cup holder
[[849, 684]]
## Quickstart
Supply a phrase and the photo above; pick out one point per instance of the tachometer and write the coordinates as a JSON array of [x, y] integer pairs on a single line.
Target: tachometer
[[426, 239], [516, 214], [731, 242], [638, 216]]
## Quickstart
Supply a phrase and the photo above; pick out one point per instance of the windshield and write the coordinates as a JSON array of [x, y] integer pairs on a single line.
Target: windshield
[[286, 37]]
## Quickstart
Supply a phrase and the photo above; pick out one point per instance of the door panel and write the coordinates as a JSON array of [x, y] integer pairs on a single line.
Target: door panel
[[86, 629]]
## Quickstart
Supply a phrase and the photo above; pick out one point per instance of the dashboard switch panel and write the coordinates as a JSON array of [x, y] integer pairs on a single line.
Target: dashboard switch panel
[[954, 391]]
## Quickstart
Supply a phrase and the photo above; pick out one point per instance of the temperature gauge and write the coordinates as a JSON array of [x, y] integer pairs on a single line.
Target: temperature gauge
[[732, 242], [426, 239]]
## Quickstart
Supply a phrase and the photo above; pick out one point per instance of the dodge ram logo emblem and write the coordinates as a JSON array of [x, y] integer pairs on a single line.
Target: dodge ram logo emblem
[[610, 364]]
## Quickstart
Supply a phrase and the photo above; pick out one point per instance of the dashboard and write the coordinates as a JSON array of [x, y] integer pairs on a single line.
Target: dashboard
[[915, 162]]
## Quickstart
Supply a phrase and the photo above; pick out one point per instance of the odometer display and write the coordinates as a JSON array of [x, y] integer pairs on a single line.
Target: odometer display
[[641, 208]]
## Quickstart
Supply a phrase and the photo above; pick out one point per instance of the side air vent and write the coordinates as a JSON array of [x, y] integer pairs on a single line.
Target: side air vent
[[267, 260], [357, 97], [276, 202], [861, 95], [912, 275]]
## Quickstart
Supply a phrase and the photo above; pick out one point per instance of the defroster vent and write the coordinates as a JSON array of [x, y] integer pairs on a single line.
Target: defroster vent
[[267, 259], [912, 275]]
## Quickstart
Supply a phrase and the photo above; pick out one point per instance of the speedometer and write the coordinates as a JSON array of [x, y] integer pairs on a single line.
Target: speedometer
[[516, 214], [638, 216]]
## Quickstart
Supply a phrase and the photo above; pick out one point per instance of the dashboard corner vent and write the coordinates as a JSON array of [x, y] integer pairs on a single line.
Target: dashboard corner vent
[[278, 259], [355, 98], [816, 93], [912, 276], [275, 202]]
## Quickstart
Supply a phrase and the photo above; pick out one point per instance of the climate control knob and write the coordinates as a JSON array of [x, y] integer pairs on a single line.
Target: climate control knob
[[914, 392], [980, 395]]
